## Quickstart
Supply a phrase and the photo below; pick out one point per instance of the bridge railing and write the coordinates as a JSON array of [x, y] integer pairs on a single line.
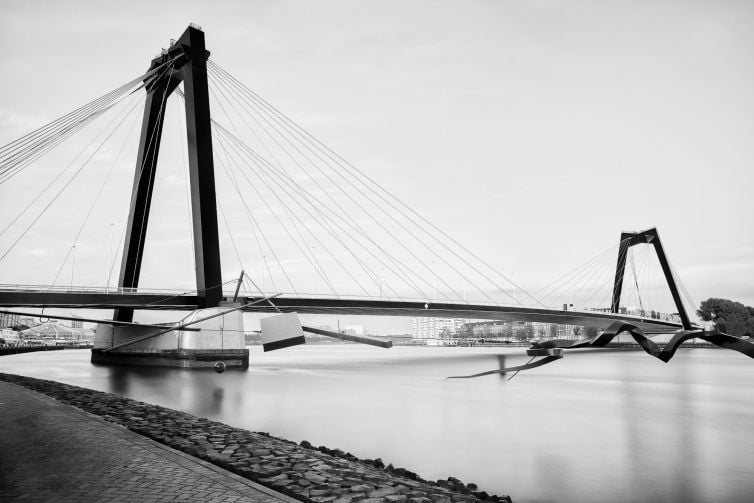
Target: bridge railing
[[227, 293], [304, 295], [91, 289]]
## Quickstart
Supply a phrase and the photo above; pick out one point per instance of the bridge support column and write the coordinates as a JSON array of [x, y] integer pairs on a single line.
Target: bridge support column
[[186, 61], [201, 169]]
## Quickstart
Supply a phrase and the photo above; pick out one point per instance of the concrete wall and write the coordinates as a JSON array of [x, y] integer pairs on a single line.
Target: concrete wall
[[221, 332], [107, 336]]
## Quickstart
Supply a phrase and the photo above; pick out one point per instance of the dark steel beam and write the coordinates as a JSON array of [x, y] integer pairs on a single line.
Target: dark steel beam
[[96, 300], [141, 192], [361, 339], [654, 239], [620, 268], [201, 169]]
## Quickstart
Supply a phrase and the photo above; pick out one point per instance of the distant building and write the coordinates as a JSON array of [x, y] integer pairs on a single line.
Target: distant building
[[16, 320], [354, 330], [9, 337], [253, 337], [398, 339], [54, 331], [433, 330], [9, 320], [519, 330], [643, 313]]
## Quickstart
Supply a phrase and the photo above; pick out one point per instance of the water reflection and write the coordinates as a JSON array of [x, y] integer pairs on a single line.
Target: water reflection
[[195, 391], [646, 430], [119, 379], [616, 427]]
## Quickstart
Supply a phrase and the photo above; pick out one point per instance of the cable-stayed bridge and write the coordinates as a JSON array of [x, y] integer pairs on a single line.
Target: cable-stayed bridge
[[261, 193]]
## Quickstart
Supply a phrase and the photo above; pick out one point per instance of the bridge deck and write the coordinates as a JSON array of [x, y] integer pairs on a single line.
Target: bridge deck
[[373, 307]]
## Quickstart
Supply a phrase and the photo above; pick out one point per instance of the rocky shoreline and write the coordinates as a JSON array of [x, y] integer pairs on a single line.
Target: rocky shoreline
[[302, 471]]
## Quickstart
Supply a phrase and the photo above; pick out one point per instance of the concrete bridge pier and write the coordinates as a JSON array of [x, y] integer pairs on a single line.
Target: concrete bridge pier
[[201, 344]]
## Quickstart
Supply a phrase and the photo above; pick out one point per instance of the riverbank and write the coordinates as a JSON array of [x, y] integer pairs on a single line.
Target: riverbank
[[14, 350], [305, 472], [51, 452]]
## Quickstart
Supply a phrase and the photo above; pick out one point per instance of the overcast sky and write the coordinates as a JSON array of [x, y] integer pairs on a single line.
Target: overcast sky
[[532, 131]]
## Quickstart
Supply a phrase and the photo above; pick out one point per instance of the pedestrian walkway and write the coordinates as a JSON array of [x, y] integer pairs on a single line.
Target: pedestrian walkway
[[54, 452]]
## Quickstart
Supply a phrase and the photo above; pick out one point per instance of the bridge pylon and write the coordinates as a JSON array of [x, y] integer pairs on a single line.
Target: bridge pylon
[[650, 236], [185, 61]]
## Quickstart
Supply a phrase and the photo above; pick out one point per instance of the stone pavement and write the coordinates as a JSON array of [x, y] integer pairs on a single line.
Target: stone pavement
[[54, 452]]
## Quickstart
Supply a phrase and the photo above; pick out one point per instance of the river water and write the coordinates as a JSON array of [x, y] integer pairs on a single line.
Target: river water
[[601, 427]]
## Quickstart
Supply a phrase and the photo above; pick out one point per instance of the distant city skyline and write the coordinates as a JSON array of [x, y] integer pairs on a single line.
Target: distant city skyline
[[532, 132]]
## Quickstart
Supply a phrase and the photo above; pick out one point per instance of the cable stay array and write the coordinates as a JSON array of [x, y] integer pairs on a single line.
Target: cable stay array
[[585, 287], [68, 211], [18, 154], [310, 212]]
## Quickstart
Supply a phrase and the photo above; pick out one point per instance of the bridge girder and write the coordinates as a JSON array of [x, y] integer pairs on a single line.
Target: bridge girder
[[332, 307]]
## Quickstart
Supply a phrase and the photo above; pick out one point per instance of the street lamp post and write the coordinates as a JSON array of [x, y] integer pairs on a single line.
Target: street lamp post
[[110, 259], [73, 263], [513, 275]]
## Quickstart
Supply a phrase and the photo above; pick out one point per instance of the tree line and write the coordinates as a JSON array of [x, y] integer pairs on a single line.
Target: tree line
[[728, 316]]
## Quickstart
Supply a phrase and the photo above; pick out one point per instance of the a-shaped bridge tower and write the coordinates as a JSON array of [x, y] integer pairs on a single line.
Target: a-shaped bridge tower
[[185, 61], [649, 236]]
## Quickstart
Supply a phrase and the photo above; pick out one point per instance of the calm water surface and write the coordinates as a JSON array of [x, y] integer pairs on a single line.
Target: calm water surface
[[602, 427]]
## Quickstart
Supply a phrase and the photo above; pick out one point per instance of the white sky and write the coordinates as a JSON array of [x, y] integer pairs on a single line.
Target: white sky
[[533, 131]]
